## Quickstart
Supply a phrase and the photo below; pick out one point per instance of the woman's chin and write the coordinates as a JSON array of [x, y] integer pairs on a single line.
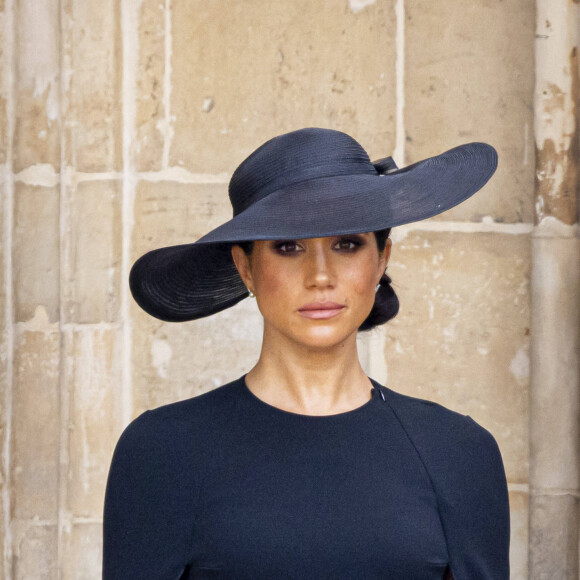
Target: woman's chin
[[323, 336]]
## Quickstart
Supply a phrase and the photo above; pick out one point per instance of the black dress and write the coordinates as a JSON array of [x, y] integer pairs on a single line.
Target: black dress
[[224, 485]]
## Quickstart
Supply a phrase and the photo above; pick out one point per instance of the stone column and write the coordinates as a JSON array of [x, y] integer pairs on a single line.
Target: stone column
[[91, 262], [60, 258], [32, 453], [555, 381]]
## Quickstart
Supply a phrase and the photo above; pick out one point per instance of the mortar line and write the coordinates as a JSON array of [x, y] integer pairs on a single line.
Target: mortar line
[[554, 491], [41, 176], [521, 487], [130, 44], [63, 516], [399, 153], [180, 175], [463, 227], [377, 338], [9, 71], [168, 47], [50, 523]]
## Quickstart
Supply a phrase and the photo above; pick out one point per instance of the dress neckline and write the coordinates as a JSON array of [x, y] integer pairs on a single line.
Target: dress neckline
[[376, 395]]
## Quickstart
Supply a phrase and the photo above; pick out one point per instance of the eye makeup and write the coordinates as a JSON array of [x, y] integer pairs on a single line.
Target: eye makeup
[[355, 240]]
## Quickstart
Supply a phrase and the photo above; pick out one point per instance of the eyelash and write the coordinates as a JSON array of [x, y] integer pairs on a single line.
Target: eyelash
[[278, 246]]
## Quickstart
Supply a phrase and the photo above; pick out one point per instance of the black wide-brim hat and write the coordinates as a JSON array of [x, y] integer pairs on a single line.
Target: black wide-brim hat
[[307, 183]]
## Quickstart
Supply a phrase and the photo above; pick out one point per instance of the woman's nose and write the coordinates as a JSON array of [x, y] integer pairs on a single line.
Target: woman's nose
[[319, 265]]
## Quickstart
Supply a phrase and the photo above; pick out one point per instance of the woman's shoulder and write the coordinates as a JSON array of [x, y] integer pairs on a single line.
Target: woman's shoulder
[[183, 421], [435, 429], [465, 467], [214, 401]]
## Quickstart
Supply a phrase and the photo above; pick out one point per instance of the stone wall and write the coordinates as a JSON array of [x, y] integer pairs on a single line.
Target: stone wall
[[121, 122]]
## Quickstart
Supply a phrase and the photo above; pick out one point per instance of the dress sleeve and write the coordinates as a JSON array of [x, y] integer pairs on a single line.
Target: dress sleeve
[[147, 525], [473, 500], [464, 464]]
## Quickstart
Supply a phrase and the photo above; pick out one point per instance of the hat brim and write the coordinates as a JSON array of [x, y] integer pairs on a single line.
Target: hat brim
[[191, 281]]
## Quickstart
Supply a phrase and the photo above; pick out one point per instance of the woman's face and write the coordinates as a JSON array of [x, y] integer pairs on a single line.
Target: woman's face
[[286, 275]]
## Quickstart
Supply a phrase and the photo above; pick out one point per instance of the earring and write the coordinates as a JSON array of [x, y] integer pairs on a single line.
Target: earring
[[379, 284], [252, 295]]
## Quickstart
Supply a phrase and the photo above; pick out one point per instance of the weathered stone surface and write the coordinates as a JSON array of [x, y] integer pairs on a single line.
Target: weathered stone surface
[[3, 126], [172, 362], [170, 213], [94, 379], [94, 252], [519, 516], [467, 80], [164, 369], [3, 129], [4, 88], [37, 127], [461, 337], [84, 559], [93, 57], [35, 420], [36, 251], [555, 405], [35, 550], [5, 375], [556, 98], [283, 66], [151, 115], [554, 537]]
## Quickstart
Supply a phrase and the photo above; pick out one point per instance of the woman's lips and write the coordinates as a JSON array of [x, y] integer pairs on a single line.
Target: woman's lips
[[327, 313]]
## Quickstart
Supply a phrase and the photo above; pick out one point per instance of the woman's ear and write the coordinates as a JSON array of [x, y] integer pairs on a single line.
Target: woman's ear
[[242, 265], [386, 254]]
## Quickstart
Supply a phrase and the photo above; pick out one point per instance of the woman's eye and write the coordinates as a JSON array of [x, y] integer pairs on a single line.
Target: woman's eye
[[291, 247], [286, 247], [348, 241]]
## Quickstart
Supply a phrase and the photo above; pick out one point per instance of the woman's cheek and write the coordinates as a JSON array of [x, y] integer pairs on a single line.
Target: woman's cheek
[[361, 282], [276, 284]]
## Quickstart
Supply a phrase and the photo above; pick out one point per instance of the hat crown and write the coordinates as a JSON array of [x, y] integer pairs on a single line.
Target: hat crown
[[295, 157]]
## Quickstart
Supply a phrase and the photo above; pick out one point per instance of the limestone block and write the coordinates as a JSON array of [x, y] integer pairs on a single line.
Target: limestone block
[[461, 337], [37, 127], [168, 213], [469, 76], [519, 517], [94, 252], [35, 421], [35, 551], [555, 377], [172, 362], [281, 66], [3, 256], [557, 126], [93, 70], [36, 251], [5, 378], [4, 89], [175, 361], [3, 120], [554, 536], [151, 114], [93, 379], [84, 558]]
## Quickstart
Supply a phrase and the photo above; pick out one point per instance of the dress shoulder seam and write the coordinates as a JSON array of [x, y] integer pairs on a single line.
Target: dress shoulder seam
[[396, 415]]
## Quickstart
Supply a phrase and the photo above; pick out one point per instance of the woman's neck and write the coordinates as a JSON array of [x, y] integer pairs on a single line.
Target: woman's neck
[[302, 379]]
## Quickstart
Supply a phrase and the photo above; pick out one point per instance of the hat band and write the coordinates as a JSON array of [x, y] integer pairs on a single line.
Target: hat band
[[273, 178]]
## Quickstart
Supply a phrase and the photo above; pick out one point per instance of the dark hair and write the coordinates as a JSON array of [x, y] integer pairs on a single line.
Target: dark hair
[[386, 304]]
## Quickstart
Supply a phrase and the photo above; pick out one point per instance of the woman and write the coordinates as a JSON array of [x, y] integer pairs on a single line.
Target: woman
[[305, 467]]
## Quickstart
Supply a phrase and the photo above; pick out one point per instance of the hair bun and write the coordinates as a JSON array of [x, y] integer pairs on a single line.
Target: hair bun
[[386, 305]]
